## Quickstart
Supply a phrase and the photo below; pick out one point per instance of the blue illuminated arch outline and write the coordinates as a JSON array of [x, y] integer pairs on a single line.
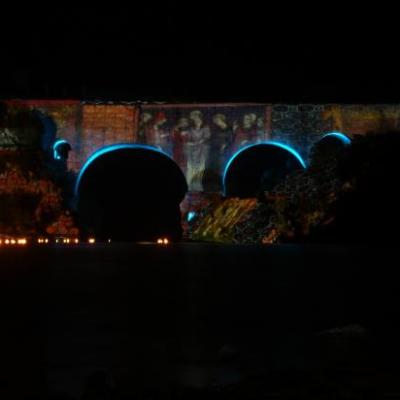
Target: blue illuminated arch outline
[[55, 145], [272, 143], [338, 135], [113, 147]]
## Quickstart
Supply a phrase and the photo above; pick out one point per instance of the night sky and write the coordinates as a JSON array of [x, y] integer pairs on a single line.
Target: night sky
[[200, 51]]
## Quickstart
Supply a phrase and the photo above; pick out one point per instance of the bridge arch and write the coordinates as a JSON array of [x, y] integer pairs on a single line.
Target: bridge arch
[[331, 146], [61, 148], [130, 192], [338, 137], [259, 167]]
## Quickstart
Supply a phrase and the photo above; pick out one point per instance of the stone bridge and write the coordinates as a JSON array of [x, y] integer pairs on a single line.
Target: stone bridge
[[201, 138]]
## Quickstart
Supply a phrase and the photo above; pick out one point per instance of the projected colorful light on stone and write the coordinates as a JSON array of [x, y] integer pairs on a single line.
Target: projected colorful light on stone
[[202, 139]]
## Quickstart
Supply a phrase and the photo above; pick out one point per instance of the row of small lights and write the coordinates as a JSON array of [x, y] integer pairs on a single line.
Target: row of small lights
[[19, 242], [91, 240], [24, 241]]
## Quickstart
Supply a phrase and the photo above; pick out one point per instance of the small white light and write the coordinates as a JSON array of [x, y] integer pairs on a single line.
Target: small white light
[[92, 240]]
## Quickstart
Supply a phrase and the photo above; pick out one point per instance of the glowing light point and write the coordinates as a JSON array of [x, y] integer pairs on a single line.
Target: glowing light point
[[165, 241], [22, 241], [191, 215], [160, 241], [91, 240]]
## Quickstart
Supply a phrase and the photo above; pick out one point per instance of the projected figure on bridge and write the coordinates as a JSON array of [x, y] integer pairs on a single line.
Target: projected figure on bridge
[[144, 127], [202, 139], [159, 134], [220, 142], [247, 132], [180, 136], [262, 135], [198, 148]]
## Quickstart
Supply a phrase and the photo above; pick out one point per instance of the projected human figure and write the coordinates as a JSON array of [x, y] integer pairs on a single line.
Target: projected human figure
[[180, 135], [197, 150], [261, 133], [144, 127], [220, 142], [158, 134], [245, 133]]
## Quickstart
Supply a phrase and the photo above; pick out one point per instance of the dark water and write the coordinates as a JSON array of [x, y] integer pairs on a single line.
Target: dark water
[[161, 321]]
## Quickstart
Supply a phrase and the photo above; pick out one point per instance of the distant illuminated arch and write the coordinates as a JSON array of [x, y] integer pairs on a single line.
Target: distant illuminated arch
[[338, 135], [269, 143], [114, 147], [57, 144]]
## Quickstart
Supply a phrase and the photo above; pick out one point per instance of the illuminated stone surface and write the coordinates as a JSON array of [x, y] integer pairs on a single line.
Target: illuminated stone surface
[[201, 138]]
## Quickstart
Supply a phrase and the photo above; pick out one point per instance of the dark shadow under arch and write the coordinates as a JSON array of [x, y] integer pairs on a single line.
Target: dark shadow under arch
[[258, 168], [330, 147], [130, 192]]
